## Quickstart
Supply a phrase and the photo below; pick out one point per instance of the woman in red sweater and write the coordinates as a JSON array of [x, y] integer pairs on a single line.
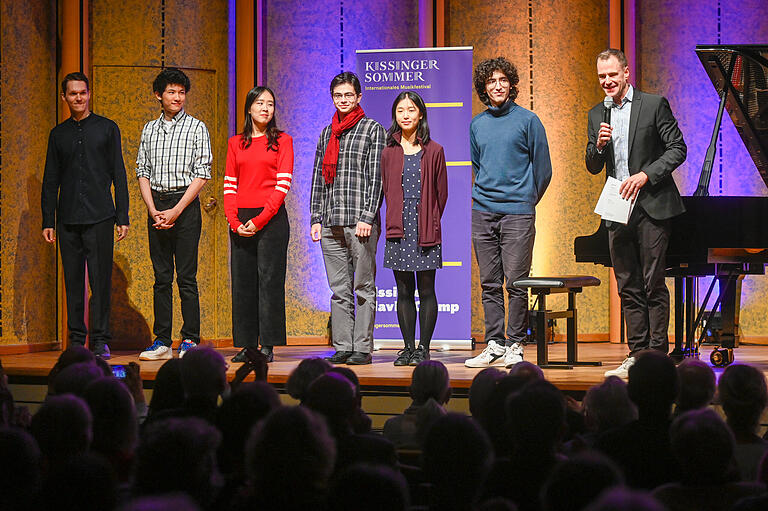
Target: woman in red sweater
[[257, 179], [415, 188]]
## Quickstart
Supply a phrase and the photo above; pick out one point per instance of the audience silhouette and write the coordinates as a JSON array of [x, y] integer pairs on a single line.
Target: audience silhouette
[[527, 446]]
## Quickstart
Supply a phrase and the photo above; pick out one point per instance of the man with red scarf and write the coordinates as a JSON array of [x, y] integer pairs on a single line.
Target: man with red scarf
[[344, 207]]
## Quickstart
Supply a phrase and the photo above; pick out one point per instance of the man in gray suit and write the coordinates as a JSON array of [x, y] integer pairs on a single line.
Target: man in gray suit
[[640, 146]]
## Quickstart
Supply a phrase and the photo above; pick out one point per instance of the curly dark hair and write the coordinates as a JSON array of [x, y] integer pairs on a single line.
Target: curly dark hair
[[484, 71]]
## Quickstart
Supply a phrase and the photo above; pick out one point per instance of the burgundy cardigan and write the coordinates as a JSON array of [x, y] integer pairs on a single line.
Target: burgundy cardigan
[[434, 191]]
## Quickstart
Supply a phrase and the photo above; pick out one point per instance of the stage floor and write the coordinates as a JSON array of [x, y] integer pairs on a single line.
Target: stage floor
[[34, 367]]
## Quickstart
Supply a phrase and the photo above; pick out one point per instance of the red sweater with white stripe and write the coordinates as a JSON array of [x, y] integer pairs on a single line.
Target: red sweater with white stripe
[[256, 177]]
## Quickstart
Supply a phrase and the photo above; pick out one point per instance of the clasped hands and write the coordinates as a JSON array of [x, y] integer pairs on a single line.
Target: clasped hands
[[247, 229], [165, 219]]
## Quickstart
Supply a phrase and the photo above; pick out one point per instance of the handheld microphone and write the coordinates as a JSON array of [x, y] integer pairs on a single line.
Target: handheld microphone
[[608, 104]]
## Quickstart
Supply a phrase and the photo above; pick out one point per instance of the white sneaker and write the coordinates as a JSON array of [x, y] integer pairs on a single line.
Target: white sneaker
[[492, 355], [158, 351], [623, 370], [514, 355]]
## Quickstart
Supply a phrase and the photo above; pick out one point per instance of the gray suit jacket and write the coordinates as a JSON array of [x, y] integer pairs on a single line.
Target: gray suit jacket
[[656, 147]]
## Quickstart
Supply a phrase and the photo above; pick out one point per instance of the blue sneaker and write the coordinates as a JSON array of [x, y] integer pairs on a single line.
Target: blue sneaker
[[158, 351], [186, 345]]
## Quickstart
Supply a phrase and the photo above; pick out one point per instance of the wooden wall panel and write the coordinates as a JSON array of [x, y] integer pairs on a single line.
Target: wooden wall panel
[[191, 36], [555, 59], [127, 32], [28, 100]]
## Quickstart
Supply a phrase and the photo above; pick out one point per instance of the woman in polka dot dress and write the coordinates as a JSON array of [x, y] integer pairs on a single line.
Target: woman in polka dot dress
[[415, 190]]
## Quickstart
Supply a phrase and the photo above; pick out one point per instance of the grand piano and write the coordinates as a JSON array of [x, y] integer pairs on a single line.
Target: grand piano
[[725, 237]]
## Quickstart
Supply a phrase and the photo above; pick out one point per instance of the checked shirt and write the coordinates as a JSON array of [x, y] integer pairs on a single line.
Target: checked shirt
[[172, 156], [356, 192]]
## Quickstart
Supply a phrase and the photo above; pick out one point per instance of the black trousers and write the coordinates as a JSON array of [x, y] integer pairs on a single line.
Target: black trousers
[[639, 254], [175, 246], [91, 243], [258, 281]]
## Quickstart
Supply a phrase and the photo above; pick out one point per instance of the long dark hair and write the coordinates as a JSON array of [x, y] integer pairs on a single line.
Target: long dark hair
[[422, 130], [272, 131]]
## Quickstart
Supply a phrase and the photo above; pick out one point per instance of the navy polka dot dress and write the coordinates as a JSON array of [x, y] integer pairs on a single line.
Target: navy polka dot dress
[[405, 254]]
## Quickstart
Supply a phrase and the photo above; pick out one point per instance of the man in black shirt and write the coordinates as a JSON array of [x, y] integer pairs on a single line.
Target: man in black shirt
[[84, 160]]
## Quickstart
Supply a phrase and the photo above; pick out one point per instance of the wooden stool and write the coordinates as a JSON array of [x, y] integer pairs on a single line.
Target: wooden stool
[[541, 287]]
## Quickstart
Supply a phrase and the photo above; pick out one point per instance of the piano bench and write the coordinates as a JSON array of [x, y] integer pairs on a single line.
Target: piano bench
[[543, 286]]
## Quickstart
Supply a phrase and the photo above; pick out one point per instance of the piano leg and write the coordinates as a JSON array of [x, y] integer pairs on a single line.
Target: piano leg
[[730, 289], [677, 353], [690, 311]]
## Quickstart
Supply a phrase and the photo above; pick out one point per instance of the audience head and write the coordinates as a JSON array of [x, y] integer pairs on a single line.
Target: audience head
[[697, 385], [536, 417], [526, 371], [458, 457], [170, 502], [167, 446], [703, 446], [168, 391], [378, 486], [237, 416], [75, 378], [62, 428], [653, 384], [576, 482], [305, 373], [481, 389], [285, 436], [115, 428], [625, 499], [82, 483], [350, 375], [203, 373], [494, 418], [72, 355], [608, 406], [333, 396], [743, 396], [430, 381], [20, 462]]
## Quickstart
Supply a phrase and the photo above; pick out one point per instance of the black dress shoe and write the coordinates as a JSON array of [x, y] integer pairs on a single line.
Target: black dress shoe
[[240, 357], [403, 357], [339, 357], [267, 352], [102, 351], [419, 356], [358, 359]]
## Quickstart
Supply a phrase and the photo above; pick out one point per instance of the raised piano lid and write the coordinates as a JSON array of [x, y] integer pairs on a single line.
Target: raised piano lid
[[742, 70]]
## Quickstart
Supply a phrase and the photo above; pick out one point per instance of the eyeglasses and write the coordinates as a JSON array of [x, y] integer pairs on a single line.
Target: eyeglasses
[[338, 97], [491, 82]]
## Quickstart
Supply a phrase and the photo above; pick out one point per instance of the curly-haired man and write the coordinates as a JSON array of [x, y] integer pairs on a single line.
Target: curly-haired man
[[512, 169]]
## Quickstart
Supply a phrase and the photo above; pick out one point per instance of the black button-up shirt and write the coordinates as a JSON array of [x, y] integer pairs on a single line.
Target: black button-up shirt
[[85, 158]]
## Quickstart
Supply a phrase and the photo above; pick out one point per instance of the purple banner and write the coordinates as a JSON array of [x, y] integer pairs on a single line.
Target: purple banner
[[443, 78]]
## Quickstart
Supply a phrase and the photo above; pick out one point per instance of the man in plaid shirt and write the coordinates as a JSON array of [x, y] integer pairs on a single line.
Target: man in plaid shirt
[[172, 166], [344, 207]]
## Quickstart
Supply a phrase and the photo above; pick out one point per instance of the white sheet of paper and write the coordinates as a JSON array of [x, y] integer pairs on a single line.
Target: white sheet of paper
[[611, 206]]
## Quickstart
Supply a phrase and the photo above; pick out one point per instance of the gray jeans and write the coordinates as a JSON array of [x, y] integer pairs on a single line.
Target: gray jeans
[[350, 265], [503, 246]]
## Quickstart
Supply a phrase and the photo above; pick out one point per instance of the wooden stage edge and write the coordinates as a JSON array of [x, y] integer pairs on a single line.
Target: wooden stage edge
[[376, 377]]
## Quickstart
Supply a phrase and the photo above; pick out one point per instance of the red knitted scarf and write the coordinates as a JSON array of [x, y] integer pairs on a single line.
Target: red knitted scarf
[[331, 157]]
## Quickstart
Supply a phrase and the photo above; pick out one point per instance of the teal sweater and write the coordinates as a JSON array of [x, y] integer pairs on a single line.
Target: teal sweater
[[510, 160]]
